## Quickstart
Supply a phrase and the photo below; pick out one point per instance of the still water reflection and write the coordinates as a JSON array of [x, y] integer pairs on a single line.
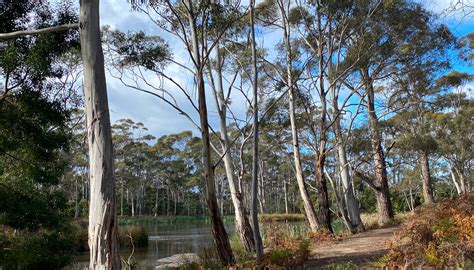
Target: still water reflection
[[165, 240], [168, 239]]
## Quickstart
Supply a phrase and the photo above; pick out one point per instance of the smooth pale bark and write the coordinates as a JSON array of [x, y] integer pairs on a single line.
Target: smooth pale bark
[[425, 172], [254, 210], [455, 182], [47, 30], [384, 204], [351, 202], [307, 204], [242, 224], [103, 234], [464, 185], [219, 233]]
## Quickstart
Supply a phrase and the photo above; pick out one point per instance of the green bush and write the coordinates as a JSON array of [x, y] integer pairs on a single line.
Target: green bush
[[42, 249]]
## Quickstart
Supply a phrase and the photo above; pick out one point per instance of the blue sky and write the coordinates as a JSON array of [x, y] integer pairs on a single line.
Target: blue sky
[[162, 119]]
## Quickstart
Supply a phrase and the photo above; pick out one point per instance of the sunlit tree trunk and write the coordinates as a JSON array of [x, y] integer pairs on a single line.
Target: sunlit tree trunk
[[242, 224], [253, 210], [219, 233], [455, 182], [350, 199], [308, 206], [103, 235], [384, 204]]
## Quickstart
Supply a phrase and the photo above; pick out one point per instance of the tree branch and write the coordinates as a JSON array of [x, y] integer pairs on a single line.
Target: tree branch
[[46, 30]]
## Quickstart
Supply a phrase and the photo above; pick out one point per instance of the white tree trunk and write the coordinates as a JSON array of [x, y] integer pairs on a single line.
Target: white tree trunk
[[308, 206], [103, 236], [455, 182], [349, 196]]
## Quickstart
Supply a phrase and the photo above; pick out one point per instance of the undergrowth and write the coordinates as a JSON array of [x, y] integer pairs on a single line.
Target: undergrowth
[[440, 236]]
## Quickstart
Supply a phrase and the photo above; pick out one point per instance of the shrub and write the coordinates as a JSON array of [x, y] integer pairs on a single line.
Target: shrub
[[342, 266], [437, 236], [42, 249], [284, 250]]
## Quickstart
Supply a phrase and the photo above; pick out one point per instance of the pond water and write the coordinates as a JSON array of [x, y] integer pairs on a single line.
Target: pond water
[[168, 239]]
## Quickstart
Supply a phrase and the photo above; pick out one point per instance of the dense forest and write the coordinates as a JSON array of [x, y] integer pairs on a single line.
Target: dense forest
[[329, 109]]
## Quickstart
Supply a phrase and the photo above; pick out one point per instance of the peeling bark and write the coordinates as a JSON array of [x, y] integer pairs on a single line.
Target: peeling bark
[[103, 231]]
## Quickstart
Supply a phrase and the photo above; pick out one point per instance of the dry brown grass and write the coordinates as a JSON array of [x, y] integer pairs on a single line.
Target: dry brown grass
[[371, 222], [439, 236]]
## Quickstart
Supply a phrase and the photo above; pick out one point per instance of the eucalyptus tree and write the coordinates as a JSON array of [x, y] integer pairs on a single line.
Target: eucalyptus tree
[[194, 24], [266, 16], [416, 91], [103, 226], [255, 167], [327, 32], [103, 238], [453, 128], [391, 44], [224, 72]]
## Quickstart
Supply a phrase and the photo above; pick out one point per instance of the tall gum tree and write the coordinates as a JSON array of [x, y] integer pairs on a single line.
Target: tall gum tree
[[103, 233], [283, 7], [103, 230]]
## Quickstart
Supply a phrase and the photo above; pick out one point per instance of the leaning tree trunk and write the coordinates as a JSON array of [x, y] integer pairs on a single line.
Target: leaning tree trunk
[[308, 206], [455, 182], [242, 224], [425, 172], [103, 236], [219, 233], [384, 204], [350, 199]]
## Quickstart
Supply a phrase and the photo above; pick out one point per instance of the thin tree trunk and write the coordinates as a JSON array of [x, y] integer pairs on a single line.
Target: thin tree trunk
[[221, 238], [103, 233], [285, 191], [133, 206], [455, 182], [121, 200], [425, 172], [156, 202], [254, 210], [308, 206], [76, 199]]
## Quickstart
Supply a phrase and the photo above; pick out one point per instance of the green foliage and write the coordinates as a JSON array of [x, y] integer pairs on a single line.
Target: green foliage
[[368, 203], [42, 249], [34, 137], [342, 266], [138, 49]]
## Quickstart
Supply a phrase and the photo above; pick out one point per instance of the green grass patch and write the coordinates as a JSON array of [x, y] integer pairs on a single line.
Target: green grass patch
[[281, 217], [169, 220]]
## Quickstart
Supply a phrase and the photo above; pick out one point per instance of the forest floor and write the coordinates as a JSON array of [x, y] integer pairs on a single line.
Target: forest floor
[[360, 249]]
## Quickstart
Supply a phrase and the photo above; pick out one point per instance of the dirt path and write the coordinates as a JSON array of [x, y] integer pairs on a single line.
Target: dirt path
[[359, 249]]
